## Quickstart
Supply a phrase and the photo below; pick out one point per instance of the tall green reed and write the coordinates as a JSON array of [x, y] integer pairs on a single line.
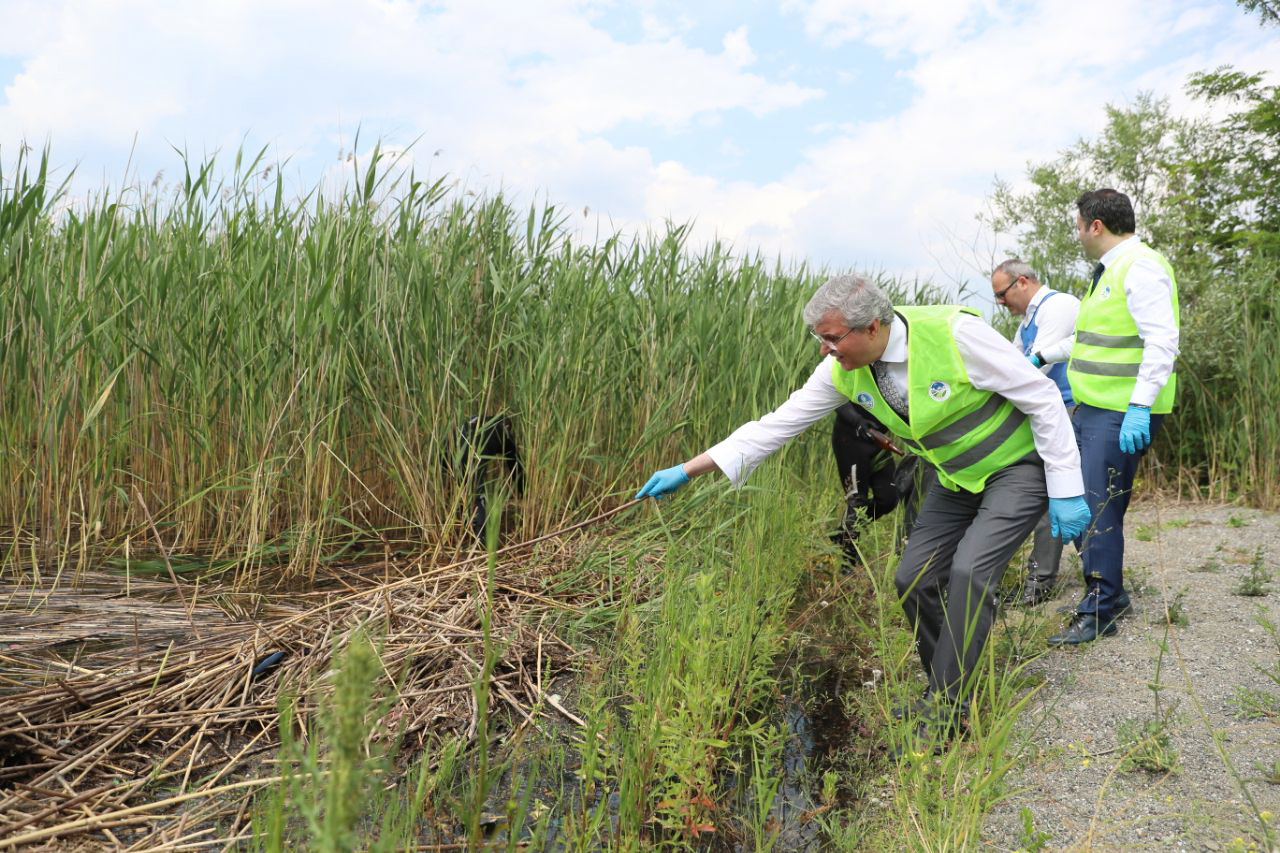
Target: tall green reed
[[257, 380], [1223, 438]]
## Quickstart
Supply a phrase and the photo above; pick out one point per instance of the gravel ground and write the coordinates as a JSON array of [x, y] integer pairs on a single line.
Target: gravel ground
[[1068, 773]]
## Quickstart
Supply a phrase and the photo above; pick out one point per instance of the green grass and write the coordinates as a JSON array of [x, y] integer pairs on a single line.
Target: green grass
[[678, 696]]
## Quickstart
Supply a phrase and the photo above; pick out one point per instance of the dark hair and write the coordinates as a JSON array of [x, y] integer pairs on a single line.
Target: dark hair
[[1110, 206]]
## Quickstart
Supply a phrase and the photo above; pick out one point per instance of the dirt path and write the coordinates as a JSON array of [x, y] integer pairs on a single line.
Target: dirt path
[[1068, 773]]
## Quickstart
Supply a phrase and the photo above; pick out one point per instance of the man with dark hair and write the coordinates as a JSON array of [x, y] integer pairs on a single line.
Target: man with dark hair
[[1120, 367], [1048, 316]]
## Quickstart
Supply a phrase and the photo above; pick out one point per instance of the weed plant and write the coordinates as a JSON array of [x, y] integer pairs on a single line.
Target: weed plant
[[1269, 772], [331, 788], [1139, 583], [1252, 703], [1213, 564], [1255, 582], [1174, 612], [1031, 839], [1146, 744]]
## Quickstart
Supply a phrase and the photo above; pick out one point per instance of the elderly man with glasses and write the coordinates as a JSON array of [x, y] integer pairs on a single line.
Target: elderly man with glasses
[[1048, 317], [956, 393]]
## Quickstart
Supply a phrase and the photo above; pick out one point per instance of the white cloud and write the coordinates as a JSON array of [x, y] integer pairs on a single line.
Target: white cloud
[[902, 192], [737, 49], [917, 27], [495, 85], [541, 97]]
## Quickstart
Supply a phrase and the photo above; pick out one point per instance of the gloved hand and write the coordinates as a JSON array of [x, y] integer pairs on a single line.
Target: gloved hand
[[1035, 360], [1068, 517], [1135, 429], [664, 482]]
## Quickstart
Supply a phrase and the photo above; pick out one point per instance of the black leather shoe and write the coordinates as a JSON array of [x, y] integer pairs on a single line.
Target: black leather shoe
[[1031, 595], [1083, 629]]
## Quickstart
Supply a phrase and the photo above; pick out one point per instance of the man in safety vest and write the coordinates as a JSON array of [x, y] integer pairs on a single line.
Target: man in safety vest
[[952, 390], [1048, 316], [1120, 367]]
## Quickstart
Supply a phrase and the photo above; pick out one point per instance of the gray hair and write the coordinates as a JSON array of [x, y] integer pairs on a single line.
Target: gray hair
[[1014, 268], [856, 299]]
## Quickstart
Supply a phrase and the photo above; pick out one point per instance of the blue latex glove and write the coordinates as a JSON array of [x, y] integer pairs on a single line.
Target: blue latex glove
[[664, 482], [1035, 360], [1135, 429], [1068, 517]]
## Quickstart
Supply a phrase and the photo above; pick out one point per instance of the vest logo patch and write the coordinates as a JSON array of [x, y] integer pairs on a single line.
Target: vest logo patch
[[865, 400], [939, 391], [1106, 292]]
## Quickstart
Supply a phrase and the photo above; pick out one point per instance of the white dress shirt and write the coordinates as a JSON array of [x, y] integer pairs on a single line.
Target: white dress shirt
[[993, 364], [1055, 319], [1149, 294]]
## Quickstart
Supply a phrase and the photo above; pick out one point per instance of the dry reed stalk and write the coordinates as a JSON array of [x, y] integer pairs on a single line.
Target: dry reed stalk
[[150, 700]]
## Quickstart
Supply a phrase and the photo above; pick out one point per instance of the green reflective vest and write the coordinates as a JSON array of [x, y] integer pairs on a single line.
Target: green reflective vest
[[966, 433], [1108, 350]]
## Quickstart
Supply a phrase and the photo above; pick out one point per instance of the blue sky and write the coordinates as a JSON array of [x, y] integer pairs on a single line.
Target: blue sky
[[846, 133]]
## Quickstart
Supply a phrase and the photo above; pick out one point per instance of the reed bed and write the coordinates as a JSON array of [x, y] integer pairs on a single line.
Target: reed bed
[[212, 369], [116, 722]]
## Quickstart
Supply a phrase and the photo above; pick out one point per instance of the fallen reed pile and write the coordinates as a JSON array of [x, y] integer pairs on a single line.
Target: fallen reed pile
[[134, 711]]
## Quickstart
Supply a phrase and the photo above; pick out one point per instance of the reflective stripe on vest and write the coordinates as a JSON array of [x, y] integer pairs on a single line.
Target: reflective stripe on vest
[[1108, 349], [966, 433]]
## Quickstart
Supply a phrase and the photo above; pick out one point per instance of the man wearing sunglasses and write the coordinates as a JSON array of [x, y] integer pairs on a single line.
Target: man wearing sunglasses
[[1048, 316], [956, 393]]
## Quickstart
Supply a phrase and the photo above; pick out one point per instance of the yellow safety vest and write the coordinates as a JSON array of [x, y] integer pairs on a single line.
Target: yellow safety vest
[[966, 433], [1108, 349]]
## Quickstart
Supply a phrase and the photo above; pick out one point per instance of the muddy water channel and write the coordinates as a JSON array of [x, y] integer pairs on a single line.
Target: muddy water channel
[[814, 774]]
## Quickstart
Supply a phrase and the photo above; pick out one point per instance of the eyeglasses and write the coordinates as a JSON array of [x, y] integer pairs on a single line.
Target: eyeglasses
[[831, 342], [1000, 295]]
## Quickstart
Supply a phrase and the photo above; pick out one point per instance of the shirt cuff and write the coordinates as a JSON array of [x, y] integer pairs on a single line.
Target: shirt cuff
[[1144, 393], [1055, 353], [1064, 484], [731, 462]]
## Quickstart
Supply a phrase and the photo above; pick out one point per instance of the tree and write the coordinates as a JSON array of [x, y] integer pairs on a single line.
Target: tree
[[1206, 193], [1142, 151], [1248, 143], [1267, 10]]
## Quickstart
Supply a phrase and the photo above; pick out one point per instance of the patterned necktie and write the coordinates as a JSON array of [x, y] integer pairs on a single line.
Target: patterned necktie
[[1097, 274], [889, 389]]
